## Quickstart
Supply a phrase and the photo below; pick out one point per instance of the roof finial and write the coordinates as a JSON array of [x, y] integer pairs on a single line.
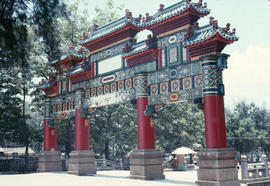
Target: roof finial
[[128, 14], [211, 19], [205, 5], [149, 40], [199, 4], [126, 48], [215, 24], [94, 27], [233, 31], [188, 1], [161, 7], [195, 25], [227, 28], [189, 33], [148, 17], [138, 19]]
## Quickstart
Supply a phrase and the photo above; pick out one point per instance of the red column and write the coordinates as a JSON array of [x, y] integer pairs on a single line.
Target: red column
[[81, 132], [145, 132], [213, 91], [215, 130], [50, 138]]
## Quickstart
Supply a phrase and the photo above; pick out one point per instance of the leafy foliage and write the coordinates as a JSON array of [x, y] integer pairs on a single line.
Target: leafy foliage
[[248, 127], [179, 125], [114, 128]]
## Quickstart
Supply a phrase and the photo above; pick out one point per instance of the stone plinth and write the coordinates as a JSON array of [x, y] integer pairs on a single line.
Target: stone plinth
[[50, 161], [146, 164], [82, 163], [217, 167]]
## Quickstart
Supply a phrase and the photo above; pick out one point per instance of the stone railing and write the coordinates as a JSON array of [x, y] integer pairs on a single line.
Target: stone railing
[[255, 173], [105, 164]]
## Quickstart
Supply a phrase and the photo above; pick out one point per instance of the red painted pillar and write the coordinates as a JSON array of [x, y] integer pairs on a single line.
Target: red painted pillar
[[215, 129], [50, 138], [81, 132], [81, 125], [50, 134], [145, 131]]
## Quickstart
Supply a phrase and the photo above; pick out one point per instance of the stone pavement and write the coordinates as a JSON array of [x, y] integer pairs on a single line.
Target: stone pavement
[[102, 178]]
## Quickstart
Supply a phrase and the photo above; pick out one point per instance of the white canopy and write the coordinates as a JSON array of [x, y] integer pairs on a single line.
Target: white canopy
[[19, 150], [183, 151]]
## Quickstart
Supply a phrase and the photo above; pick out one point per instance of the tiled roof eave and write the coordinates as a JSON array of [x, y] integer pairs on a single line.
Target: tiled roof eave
[[69, 58], [95, 39], [217, 35], [80, 73], [48, 85], [132, 54], [82, 69], [191, 7]]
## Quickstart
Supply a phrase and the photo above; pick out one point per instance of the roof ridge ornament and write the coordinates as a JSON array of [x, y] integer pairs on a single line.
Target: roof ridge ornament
[[213, 22], [187, 1], [227, 28], [233, 31], [205, 5], [128, 45], [138, 19], [95, 27], [199, 4], [161, 7], [128, 14], [150, 41], [190, 30], [148, 17]]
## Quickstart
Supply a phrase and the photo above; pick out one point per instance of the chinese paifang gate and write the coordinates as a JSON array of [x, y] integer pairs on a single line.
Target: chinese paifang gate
[[180, 61]]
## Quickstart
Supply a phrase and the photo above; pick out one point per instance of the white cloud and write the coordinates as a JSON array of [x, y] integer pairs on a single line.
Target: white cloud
[[248, 76]]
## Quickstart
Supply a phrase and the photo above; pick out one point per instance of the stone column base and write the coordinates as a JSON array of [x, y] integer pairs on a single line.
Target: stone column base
[[146, 164], [217, 167], [82, 163], [50, 161]]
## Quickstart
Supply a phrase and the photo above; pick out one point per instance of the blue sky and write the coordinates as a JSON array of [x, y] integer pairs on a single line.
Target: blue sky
[[248, 75]]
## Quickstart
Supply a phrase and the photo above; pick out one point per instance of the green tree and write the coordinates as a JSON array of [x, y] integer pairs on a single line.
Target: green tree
[[70, 31], [248, 127], [113, 128], [179, 125]]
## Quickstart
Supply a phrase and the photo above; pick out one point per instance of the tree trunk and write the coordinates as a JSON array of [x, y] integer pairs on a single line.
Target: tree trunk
[[107, 149], [26, 130]]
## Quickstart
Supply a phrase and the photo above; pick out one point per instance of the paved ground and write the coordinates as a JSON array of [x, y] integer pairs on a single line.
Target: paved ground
[[103, 178]]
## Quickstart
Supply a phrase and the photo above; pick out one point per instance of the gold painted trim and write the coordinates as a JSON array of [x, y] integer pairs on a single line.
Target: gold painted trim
[[174, 30], [197, 57], [115, 43]]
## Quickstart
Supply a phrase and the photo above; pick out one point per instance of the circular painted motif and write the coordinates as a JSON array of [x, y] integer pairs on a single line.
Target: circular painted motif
[[174, 97], [173, 73], [63, 115], [172, 39]]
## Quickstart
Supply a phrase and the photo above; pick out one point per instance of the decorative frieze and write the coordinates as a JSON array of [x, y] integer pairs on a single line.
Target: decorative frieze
[[47, 108], [142, 88], [212, 75]]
